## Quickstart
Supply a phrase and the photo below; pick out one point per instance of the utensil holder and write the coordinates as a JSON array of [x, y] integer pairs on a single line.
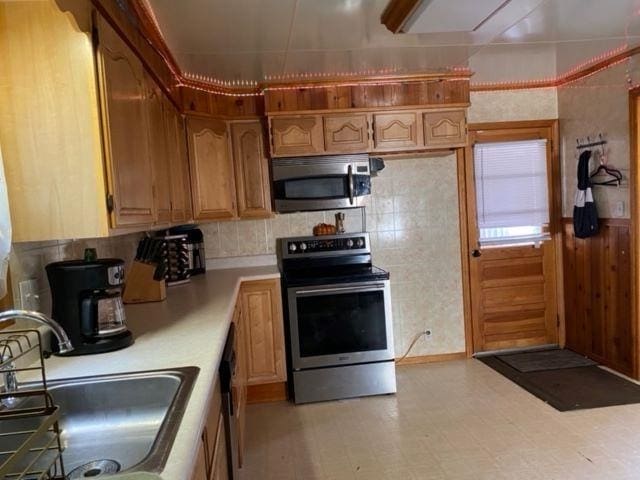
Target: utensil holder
[[141, 287]]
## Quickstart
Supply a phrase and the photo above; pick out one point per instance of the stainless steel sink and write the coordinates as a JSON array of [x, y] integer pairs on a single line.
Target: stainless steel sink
[[123, 422]]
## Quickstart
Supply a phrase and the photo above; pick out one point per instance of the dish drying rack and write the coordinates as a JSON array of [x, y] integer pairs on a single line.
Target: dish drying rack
[[30, 447]]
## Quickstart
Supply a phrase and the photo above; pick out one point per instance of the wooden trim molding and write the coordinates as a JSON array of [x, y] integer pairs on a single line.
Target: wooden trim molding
[[397, 12], [438, 357], [267, 392], [634, 194]]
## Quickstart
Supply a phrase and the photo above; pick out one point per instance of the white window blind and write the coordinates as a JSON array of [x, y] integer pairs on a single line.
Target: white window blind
[[512, 198]]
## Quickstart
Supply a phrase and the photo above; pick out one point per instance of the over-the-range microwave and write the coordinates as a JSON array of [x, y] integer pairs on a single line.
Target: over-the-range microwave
[[322, 183]]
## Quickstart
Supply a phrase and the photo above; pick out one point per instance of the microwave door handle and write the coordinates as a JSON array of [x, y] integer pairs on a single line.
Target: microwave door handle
[[350, 180]]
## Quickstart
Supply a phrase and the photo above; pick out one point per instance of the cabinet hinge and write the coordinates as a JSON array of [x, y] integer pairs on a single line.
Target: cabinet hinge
[[110, 205]]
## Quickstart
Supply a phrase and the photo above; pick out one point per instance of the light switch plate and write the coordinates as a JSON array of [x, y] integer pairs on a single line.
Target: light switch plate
[[29, 298], [618, 210]]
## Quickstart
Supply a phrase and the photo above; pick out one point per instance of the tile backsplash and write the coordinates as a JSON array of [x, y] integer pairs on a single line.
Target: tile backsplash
[[412, 217]]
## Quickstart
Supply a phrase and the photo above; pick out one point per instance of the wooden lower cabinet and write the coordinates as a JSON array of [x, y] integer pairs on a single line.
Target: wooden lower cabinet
[[264, 331], [219, 463]]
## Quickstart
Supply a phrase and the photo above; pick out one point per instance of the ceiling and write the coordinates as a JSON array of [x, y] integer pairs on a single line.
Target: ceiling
[[257, 40]]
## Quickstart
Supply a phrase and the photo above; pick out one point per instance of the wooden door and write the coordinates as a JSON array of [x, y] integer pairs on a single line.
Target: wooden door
[[298, 135], [125, 126], [264, 334], [160, 150], [396, 131], [445, 129], [251, 169], [513, 288], [179, 165], [212, 178], [346, 133]]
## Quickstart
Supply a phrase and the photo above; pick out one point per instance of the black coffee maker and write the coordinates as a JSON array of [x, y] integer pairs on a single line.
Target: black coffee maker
[[87, 303]]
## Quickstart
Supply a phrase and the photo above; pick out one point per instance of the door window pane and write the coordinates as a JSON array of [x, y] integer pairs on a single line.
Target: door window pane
[[512, 198]]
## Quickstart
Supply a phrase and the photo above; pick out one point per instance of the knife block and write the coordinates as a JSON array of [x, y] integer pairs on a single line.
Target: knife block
[[140, 287]]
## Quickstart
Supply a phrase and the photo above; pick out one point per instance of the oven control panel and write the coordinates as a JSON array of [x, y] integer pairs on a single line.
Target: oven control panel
[[328, 244]]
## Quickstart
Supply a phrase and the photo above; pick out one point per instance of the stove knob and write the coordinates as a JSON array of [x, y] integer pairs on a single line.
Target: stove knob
[[303, 246], [292, 247], [349, 243], [359, 243]]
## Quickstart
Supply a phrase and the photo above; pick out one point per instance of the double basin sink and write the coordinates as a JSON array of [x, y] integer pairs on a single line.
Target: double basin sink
[[118, 423]]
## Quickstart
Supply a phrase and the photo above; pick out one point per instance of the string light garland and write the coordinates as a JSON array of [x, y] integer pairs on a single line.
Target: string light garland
[[249, 88]]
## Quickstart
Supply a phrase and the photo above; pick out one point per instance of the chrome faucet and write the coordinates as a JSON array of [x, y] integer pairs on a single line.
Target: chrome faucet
[[64, 344], [8, 370]]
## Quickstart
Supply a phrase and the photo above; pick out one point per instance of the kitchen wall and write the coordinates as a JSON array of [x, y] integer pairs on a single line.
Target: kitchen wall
[[513, 105], [597, 104], [28, 260]]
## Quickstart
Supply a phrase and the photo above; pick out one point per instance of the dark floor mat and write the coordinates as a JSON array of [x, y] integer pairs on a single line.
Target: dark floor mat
[[571, 388], [546, 360]]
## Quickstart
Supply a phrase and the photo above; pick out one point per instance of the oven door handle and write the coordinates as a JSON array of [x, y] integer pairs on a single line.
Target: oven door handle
[[350, 181], [368, 288]]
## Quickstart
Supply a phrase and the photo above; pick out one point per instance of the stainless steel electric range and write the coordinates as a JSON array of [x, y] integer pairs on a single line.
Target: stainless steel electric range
[[338, 323]]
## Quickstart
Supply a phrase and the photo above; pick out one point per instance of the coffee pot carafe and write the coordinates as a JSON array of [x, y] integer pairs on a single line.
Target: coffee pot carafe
[[87, 303]]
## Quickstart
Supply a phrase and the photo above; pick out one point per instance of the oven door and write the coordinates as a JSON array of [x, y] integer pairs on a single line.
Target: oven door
[[340, 324]]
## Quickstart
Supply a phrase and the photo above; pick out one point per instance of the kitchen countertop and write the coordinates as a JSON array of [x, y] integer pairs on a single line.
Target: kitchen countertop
[[188, 329]]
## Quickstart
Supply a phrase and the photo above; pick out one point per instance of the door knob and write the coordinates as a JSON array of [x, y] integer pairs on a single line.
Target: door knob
[[476, 253]]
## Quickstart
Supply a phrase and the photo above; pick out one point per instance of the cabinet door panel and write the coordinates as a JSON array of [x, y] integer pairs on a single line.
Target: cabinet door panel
[[346, 133], [125, 124], [396, 131], [212, 178], [296, 136], [445, 129], [159, 149], [264, 337], [239, 383], [252, 170], [200, 469], [179, 164], [220, 467]]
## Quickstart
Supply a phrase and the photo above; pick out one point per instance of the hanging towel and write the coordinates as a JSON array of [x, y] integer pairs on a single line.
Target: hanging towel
[[585, 214]]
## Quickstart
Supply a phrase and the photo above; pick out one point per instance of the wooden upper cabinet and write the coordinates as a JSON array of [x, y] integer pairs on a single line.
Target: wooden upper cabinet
[[264, 331], [300, 135], [181, 211], [346, 133], [212, 178], [125, 124], [160, 150], [251, 169], [396, 131], [446, 129]]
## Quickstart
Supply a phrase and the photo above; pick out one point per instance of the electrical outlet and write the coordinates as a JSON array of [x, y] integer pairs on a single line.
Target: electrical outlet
[[29, 298]]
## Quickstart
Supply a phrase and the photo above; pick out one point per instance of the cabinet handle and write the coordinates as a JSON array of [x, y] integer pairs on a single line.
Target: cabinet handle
[[476, 253]]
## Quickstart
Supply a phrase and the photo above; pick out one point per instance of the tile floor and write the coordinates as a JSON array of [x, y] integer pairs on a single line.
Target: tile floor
[[456, 420]]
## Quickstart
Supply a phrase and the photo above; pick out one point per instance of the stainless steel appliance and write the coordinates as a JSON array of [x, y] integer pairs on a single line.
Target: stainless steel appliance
[[229, 415], [87, 303], [338, 318], [196, 258], [323, 182]]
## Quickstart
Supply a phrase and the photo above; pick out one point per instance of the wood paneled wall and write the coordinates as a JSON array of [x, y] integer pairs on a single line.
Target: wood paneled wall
[[436, 92], [597, 289], [205, 103]]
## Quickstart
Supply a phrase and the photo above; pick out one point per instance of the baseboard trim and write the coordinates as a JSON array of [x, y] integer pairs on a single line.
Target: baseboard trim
[[438, 357], [267, 392]]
